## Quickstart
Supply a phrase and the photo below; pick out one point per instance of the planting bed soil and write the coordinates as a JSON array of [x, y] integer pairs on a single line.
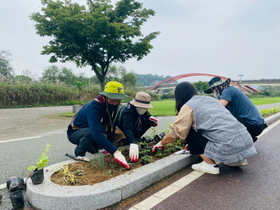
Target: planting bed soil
[[104, 167]]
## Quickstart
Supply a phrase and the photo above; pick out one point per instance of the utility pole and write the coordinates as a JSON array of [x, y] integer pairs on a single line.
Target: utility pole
[[240, 75]]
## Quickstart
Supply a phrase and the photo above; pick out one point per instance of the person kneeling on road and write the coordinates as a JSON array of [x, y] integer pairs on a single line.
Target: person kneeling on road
[[134, 120], [210, 130], [94, 126]]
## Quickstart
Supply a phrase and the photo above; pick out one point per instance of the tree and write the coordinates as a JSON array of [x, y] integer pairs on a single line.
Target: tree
[[120, 74], [55, 74], [96, 35], [22, 78], [129, 80], [201, 86], [51, 74], [5, 67]]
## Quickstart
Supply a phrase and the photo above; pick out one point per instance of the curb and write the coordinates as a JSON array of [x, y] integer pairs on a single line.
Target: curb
[[49, 196]]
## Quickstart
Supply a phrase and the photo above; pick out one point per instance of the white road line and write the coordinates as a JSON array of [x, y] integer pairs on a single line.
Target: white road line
[[33, 137], [158, 197], [270, 127]]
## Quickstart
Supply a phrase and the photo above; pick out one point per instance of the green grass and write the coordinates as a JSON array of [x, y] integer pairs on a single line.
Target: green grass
[[167, 107], [261, 101], [163, 108]]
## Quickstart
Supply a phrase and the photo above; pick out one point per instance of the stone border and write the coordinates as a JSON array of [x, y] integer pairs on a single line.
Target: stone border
[[49, 196]]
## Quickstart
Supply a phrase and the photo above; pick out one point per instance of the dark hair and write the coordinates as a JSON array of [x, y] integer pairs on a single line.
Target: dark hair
[[184, 91]]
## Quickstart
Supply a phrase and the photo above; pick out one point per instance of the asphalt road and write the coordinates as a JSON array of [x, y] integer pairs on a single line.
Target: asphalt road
[[25, 132]]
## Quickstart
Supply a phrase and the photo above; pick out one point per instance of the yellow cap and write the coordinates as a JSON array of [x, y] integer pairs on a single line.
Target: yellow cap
[[114, 90]]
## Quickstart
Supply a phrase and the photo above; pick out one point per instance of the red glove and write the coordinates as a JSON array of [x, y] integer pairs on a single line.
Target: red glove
[[154, 120], [121, 159], [157, 146]]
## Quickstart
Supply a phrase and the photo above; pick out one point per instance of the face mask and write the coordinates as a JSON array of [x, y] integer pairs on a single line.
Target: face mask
[[141, 111], [216, 93], [112, 107]]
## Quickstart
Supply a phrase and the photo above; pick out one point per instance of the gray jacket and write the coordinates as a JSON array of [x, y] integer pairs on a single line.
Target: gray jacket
[[229, 140]]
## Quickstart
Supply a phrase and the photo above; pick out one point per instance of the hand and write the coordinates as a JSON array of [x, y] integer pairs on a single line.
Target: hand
[[134, 152], [158, 145], [121, 159], [154, 121]]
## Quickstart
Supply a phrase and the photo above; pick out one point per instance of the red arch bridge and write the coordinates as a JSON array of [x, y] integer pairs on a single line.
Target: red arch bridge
[[245, 88]]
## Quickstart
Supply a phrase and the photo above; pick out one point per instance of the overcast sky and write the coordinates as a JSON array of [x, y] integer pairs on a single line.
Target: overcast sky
[[221, 37]]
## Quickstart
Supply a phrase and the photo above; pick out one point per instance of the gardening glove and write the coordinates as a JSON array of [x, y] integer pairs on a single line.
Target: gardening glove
[[121, 159], [133, 152], [157, 146], [185, 150], [154, 121]]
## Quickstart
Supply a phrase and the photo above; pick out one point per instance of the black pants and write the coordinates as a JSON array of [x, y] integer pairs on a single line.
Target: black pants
[[84, 141], [254, 130], [196, 142]]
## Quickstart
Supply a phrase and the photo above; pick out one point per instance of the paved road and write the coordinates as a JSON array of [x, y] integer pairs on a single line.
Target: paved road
[[252, 187], [28, 122]]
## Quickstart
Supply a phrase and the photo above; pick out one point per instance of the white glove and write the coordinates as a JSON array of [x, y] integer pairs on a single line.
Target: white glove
[[185, 150], [154, 120], [121, 159], [134, 152], [158, 145]]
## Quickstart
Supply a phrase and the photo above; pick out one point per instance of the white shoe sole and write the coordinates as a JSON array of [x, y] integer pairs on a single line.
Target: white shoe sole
[[199, 167], [239, 163]]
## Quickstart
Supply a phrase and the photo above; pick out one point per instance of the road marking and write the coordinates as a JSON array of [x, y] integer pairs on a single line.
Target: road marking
[[269, 128], [33, 137], [158, 197]]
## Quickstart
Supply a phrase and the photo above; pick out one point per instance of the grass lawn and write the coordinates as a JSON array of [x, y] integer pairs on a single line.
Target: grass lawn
[[167, 107], [261, 101]]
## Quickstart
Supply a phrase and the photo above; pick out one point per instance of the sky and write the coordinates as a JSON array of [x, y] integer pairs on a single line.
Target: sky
[[221, 37]]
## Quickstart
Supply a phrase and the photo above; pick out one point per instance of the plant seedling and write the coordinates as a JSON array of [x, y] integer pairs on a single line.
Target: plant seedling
[[42, 161]]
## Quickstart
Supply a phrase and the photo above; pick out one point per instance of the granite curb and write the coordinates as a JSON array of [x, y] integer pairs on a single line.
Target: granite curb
[[49, 196]]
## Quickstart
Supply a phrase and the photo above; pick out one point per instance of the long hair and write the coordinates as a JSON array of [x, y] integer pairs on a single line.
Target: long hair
[[184, 91]]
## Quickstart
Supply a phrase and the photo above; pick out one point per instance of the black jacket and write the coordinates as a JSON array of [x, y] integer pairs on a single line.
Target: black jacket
[[132, 124]]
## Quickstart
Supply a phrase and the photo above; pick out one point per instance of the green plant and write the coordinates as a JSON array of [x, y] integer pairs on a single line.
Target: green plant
[[42, 161], [110, 172], [147, 159], [100, 160], [268, 112], [79, 172]]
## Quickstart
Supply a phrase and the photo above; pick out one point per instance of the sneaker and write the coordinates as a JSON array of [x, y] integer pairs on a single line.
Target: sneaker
[[82, 158], [207, 168], [239, 163]]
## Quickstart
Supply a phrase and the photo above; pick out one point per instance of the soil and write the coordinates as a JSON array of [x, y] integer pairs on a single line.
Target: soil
[[88, 173]]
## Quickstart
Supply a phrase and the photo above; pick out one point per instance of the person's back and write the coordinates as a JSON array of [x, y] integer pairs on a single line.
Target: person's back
[[241, 107], [238, 104], [222, 130]]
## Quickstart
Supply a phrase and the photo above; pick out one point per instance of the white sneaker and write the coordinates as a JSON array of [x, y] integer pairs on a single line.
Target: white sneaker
[[83, 158], [239, 163], [207, 168]]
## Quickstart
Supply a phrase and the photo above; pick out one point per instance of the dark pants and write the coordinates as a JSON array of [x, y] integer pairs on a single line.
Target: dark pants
[[196, 142], [84, 141], [254, 130]]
